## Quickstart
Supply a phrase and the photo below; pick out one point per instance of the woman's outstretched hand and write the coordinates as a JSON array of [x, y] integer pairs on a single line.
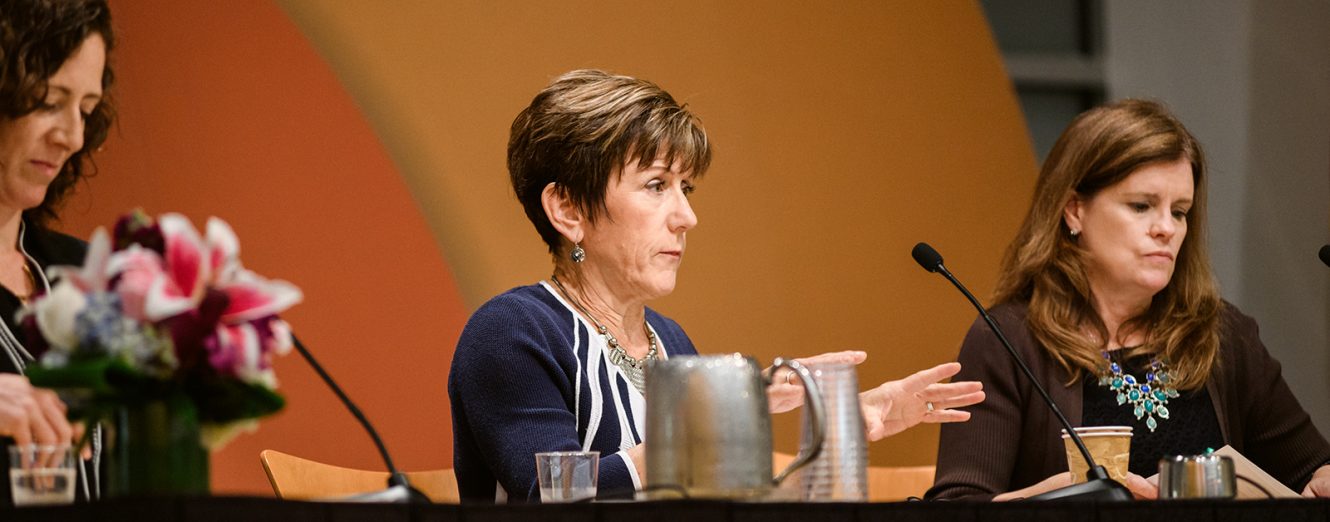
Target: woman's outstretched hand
[[896, 406]]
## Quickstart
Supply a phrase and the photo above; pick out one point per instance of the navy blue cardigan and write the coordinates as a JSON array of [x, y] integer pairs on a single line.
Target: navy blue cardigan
[[528, 377]]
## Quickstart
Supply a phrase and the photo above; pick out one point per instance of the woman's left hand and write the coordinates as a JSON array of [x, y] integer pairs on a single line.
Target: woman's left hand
[[1319, 485], [896, 406]]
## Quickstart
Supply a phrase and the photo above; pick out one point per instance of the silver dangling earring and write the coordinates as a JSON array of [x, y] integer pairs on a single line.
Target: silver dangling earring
[[577, 254]]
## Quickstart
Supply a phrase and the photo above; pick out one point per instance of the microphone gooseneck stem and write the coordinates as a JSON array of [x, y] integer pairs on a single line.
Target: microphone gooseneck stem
[[395, 477], [1095, 471]]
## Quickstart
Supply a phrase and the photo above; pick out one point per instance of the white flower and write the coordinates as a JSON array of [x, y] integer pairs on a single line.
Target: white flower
[[216, 436], [56, 313]]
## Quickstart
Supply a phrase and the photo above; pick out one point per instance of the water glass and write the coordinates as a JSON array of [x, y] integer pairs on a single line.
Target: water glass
[[567, 476], [41, 474]]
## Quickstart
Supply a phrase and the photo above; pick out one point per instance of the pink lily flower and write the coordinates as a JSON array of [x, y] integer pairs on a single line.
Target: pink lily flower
[[94, 274], [250, 296]]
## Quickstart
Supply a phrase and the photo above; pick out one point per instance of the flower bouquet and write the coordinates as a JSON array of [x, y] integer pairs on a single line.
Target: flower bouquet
[[163, 337]]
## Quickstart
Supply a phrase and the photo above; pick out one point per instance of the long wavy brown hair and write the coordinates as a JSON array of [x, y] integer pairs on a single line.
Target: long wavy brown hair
[[1045, 267]]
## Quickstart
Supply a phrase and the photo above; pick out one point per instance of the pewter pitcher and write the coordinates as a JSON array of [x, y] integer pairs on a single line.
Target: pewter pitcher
[[840, 471], [709, 427]]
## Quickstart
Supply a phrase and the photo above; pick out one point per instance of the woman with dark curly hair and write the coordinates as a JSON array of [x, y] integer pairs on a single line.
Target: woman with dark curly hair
[[54, 112]]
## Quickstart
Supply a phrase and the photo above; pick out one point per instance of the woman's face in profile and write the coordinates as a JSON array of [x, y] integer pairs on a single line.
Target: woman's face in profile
[[34, 147], [636, 248], [1131, 232]]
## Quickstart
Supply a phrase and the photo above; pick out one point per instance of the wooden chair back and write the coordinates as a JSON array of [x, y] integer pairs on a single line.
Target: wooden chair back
[[885, 483], [295, 478]]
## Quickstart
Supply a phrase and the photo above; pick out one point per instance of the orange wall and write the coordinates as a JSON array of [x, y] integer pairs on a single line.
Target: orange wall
[[356, 146], [226, 110]]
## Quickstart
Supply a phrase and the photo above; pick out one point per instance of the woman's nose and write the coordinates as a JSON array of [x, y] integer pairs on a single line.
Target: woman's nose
[[684, 218], [1164, 226], [68, 132]]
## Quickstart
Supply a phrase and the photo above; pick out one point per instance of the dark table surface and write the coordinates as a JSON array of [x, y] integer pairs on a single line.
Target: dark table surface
[[247, 509]]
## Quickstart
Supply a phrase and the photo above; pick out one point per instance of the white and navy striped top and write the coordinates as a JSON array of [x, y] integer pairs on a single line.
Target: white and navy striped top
[[530, 376]]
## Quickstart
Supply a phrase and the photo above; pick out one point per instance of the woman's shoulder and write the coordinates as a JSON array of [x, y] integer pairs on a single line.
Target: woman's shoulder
[[1237, 330], [50, 247], [1009, 311], [1009, 315], [1230, 316], [525, 316], [520, 305]]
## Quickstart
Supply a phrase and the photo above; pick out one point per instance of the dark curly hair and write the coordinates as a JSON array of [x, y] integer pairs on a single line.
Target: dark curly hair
[[36, 37]]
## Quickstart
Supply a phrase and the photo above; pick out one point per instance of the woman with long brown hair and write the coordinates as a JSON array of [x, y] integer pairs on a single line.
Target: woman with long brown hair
[[1107, 292]]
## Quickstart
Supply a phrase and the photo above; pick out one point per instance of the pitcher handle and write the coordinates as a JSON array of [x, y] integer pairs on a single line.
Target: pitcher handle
[[813, 400]]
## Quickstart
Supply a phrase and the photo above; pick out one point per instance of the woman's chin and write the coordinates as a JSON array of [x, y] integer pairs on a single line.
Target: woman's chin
[[663, 286], [1154, 286]]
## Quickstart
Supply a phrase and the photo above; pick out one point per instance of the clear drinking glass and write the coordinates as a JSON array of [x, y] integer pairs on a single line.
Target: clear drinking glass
[[567, 476], [41, 474]]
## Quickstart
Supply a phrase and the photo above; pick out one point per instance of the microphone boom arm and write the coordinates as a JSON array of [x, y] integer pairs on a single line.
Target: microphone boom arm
[[395, 477], [1096, 471], [1098, 485]]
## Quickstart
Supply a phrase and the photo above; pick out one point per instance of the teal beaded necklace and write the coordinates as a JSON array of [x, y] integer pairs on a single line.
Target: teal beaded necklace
[[1149, 398]]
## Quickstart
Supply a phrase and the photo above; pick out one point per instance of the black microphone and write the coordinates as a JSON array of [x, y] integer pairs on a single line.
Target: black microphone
[[1325, 255], [399, 488], [1097, 486]]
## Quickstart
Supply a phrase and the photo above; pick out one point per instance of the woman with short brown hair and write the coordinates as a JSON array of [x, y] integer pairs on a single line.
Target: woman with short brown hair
[[604, 166]]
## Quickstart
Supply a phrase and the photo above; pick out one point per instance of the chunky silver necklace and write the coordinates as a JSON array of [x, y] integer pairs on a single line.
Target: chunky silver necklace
[[634, 369]]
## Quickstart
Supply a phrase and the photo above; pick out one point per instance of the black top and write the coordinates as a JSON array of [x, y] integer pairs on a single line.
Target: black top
[[48, 248], [1190, 429]]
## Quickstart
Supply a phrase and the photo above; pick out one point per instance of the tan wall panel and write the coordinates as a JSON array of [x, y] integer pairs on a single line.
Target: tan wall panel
[[845, 132]]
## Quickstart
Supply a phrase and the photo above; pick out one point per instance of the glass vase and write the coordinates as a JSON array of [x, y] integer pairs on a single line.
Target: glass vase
[[155, 450]]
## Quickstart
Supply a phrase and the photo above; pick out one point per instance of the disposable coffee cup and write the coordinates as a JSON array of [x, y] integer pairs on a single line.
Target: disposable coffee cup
[[1109, 445], [567, 476], [1101, 429]]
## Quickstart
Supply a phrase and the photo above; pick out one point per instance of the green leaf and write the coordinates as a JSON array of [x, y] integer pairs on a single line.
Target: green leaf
[[222, 400], [87, 376]]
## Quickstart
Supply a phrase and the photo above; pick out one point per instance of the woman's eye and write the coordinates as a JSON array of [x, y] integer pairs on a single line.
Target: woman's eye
[[1179, 214], [656, 185], [1139, 207], [688, 189]]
